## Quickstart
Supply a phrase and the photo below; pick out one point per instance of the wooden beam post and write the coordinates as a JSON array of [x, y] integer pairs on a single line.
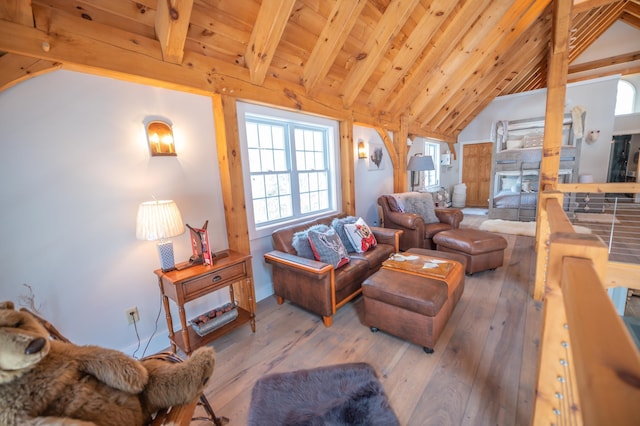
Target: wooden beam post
[[347, 173], [225, 116], [400, 141]]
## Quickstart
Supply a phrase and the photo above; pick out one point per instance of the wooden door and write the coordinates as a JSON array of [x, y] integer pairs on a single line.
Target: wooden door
[[476, 173]]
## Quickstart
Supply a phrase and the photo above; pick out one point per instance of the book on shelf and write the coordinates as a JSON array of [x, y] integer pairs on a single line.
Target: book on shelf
[[200, 246]]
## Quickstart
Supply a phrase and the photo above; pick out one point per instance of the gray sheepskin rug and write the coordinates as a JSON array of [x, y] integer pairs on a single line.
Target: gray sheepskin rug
[[344, 394]]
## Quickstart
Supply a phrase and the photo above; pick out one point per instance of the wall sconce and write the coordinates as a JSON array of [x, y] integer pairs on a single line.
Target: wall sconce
[[362, 154], [160, 138], [592, 136]]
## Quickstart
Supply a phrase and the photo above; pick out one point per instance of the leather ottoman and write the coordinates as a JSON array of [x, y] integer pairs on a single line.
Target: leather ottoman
[[411, 306], [483, 250]]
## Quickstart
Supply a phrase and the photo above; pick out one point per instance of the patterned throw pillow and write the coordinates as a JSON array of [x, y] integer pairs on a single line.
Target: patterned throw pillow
[[328, 248], [361, 236], [301, 243], [338, 225]]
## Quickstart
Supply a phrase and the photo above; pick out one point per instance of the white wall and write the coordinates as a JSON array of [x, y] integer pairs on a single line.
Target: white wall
[[597, 97], [370, 184], [75, 166]]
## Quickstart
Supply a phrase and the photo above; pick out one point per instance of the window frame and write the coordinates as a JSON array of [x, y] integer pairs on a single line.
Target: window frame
[[432, 148], [634, 96], [291, 120]]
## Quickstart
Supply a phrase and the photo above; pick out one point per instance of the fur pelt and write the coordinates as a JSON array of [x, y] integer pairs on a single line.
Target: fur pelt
[[45, 381], [346, 394]]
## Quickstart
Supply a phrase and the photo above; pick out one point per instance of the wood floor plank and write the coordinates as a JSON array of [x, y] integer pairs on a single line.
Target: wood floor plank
[[499, 370], [481, 373]]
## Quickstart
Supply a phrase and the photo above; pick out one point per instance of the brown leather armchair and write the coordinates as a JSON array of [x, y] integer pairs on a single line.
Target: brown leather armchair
[[417, 233]]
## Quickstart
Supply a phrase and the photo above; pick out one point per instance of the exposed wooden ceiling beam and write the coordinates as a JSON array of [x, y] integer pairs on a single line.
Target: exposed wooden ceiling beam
[[633, 9], [17, 11], [632, 20], [83, 50], [172, 24], [605, 62], [387, 28], [587, 27], [438, 50], [482, 60], [265, 37], [508, 69], [431, 21], [343, 17], [580, 6], [16, 68]]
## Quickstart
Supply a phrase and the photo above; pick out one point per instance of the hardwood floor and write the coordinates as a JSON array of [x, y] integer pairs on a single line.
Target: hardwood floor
[[481, 373]]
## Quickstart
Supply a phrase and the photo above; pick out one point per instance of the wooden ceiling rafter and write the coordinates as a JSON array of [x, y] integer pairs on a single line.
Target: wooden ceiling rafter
[[438, 50], [415, 45], [171, 26], [17, 11], [427, 62], [265, 37], [503, 36], [342, 19], [387, 28], [506, 72], [591, 25], [484, 29]]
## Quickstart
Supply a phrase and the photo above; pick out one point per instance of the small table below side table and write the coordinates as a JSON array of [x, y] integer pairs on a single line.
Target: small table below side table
[[230, 270]]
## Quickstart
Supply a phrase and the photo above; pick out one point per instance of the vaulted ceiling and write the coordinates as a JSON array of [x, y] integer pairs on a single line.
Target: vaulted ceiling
[[430, 64]]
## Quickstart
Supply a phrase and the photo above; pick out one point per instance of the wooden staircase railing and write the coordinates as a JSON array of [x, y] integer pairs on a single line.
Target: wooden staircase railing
[[588, 365]]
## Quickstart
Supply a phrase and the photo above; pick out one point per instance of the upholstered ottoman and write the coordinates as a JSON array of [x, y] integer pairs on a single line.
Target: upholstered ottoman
[[411, 306], [483, 250]]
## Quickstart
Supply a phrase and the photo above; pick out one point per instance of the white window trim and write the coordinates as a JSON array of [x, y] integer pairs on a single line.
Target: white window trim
[[436, 164], [271, 113], [634, 98]]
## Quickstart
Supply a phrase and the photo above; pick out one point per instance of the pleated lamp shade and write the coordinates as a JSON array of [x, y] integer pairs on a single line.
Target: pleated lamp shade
[[160, 220]]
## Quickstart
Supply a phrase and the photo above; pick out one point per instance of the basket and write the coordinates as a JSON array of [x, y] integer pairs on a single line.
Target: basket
[[214, 319]]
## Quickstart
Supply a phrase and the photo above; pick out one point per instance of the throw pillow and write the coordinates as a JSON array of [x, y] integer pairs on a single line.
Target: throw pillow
[[301, 243], [361, 236], [328, 248], [422, 204], [338, 224]]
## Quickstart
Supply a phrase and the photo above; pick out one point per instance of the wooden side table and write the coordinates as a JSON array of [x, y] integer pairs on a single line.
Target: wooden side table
[[230, 270]]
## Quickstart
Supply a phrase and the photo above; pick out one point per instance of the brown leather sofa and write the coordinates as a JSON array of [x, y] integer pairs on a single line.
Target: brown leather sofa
[[417, 233], [317, 286]]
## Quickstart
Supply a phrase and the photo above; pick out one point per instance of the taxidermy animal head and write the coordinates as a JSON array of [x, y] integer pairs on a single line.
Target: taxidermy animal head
[[592, 136]]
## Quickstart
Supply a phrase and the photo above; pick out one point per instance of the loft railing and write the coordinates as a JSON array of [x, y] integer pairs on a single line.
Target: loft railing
[[588, 365]]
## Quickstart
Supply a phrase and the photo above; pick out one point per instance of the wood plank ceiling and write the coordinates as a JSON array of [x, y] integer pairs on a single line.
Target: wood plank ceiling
[[433, 64]]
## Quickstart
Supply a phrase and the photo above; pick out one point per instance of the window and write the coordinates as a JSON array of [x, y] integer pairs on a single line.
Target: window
[[431, 178], [290, 158], [626, 98]]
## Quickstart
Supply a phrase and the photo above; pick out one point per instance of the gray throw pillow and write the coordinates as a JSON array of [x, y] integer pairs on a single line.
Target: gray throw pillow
[[301, 243], [338, 225], [328, 248]]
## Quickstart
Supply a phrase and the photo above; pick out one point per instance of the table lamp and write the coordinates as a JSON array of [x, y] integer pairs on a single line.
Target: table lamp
[[160, 220], [419, 163]]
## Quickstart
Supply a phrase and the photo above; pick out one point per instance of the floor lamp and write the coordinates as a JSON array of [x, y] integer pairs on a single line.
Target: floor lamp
[[419, 163]]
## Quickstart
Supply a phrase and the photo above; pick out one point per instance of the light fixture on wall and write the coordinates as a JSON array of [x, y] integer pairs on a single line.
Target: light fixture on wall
[[419, 163], [362, 153], [160, 138], [160, 220]]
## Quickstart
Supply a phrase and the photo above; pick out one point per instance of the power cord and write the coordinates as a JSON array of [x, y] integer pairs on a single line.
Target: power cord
[[135, 326], [155, 328]]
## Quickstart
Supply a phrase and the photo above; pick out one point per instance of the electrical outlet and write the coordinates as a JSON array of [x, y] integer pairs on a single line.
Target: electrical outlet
[[133, 315]]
